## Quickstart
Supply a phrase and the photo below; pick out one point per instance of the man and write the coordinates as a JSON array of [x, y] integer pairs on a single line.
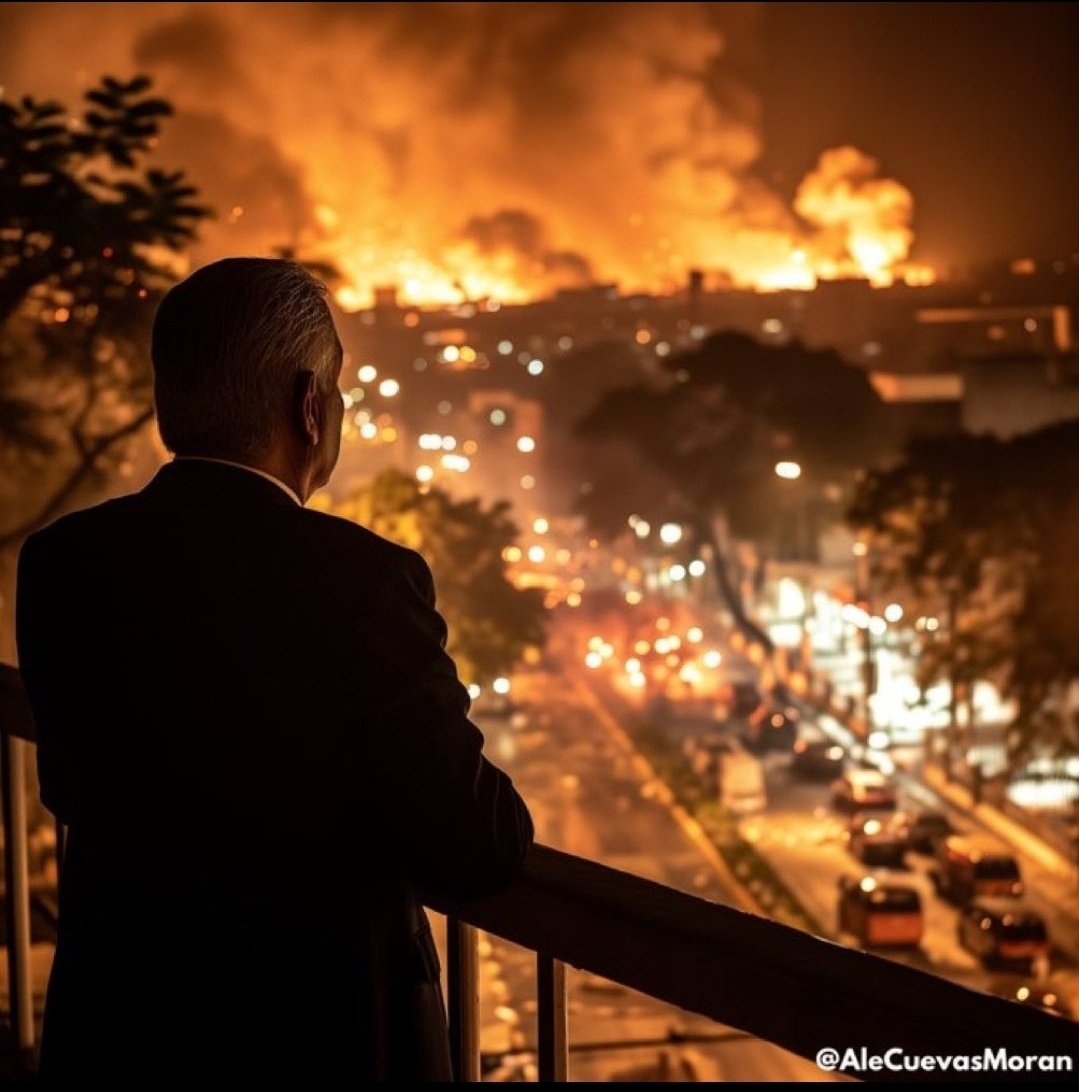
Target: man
[[248, 722]]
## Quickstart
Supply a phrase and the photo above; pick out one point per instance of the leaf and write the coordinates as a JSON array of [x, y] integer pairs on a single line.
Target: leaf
[[138, 129], [150, 108], [119, 153], [104, 99], [138, 84], [46, 132]]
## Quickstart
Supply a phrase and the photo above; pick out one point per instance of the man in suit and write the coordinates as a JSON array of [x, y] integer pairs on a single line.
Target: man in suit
[[248, 722]]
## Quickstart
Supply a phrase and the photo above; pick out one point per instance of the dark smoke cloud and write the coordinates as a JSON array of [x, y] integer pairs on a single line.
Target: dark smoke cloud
[[196, 46], [516, 242]]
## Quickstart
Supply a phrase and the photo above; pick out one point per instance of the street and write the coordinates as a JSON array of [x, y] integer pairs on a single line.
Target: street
[[587, 797], [591, 795]]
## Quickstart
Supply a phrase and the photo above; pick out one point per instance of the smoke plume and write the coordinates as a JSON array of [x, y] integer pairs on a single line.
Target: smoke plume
[[474, 148]]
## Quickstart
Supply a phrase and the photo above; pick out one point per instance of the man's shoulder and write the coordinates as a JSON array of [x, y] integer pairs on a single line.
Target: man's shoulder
[[336, 541], [75, 528], [354, 539]]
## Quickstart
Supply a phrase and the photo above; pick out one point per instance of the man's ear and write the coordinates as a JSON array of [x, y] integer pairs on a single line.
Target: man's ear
[[309, 408]]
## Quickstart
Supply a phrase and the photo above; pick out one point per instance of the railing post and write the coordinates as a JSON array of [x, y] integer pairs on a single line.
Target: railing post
[[552, 1029], [17, 894], [462, 959]]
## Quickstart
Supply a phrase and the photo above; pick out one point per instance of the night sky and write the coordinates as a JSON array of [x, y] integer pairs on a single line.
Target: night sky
[[974, 106]]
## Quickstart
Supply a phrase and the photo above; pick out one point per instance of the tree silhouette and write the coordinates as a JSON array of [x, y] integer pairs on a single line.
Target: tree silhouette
[[986, 531], [709, 439], [89, 239]]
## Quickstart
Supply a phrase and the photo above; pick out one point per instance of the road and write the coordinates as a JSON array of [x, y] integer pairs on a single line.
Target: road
[[588, 797], [804, 840]]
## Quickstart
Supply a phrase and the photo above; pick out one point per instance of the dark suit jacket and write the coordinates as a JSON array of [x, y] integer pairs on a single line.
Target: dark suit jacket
[[248, 720]]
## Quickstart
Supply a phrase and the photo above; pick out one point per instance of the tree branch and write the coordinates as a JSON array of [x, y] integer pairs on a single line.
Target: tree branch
[[59, 499], [727, 588], [78, 438]]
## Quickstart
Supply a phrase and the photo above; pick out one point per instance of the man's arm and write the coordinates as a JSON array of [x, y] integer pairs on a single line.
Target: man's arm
[[460, 824]]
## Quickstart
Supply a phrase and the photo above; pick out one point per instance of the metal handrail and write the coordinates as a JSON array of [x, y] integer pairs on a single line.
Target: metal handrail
[[773, 981]]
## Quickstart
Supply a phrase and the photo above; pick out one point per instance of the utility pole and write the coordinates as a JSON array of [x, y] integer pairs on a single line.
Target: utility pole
[[869, 673], [1075, 836], [953, 683]]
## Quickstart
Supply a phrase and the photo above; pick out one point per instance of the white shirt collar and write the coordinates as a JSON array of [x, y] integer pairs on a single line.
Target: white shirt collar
[[243, 466]]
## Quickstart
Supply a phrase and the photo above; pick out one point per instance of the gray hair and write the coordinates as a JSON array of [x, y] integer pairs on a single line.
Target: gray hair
[[228, 344]]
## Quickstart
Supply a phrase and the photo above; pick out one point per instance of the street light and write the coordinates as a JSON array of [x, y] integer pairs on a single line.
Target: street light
[[869, 673], [796, 509]]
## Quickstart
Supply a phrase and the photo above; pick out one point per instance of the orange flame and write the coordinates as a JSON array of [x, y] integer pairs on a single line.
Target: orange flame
[[459, 151], [846, 223]]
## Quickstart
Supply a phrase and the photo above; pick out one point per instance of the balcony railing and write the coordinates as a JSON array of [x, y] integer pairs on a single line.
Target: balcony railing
[[768, 980]]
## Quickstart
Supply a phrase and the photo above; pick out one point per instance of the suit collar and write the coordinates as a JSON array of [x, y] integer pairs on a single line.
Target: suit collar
[[211, 477], [289, 491]]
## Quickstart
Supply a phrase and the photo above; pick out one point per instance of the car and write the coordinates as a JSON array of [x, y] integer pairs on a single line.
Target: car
[[741, 779], [927, 829], [817, 759], [860, 790], [878, 839], [1002, 931], [971, 866], [744, 698], [880, 915], [771, 728]]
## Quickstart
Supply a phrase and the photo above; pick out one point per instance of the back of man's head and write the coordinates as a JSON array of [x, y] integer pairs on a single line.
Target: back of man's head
[[229, 343]]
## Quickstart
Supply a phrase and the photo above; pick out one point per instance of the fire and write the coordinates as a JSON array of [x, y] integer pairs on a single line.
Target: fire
[[466, 151], [846, 223]]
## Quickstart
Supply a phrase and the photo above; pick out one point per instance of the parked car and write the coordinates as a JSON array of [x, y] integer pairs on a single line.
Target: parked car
[[880, 915], [741, 779], [860, 790], [771, 728], [744, 698], [975, 866], [1002, 931], [927, 829], [817, 759], [736, 699], [878, 839]]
